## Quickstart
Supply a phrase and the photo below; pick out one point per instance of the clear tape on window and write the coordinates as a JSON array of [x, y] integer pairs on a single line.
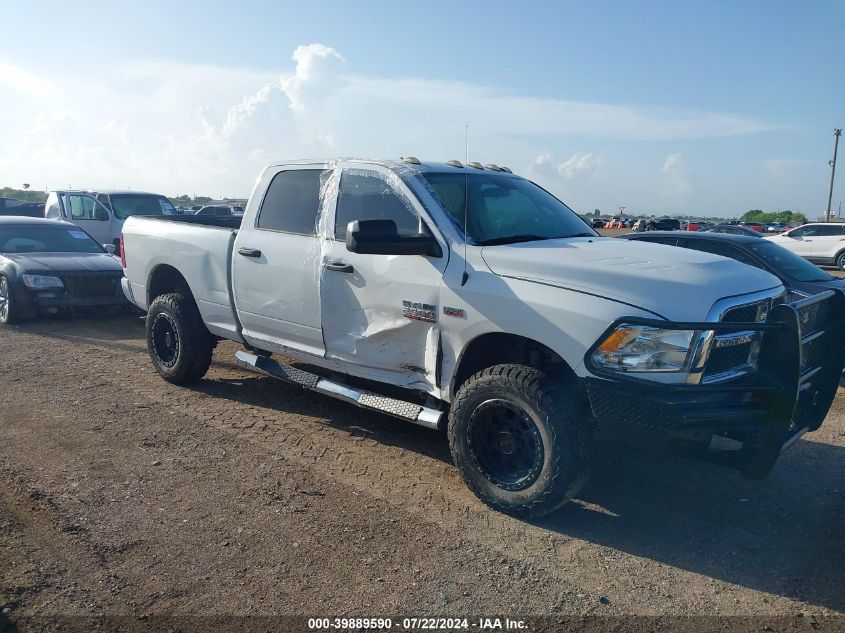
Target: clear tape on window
[[375, 325]]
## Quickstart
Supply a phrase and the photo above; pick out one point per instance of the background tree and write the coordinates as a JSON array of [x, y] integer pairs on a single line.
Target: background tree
[[787, 216]]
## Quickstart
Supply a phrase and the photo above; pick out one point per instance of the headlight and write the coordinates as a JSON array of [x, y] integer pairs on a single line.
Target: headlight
[[645, 348], [42, 281]]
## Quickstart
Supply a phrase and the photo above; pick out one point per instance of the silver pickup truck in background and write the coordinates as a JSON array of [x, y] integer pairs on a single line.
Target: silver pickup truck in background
[[102, 213], [468, 298]]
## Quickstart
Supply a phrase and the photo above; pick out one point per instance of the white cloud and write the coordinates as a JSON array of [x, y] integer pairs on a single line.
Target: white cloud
[[179, 128], [317, 72], [781, 168], [677, 176], [19, 80], [579, 164]]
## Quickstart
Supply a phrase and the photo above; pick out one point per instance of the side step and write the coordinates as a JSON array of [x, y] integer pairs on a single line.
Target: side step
[[418, 414]]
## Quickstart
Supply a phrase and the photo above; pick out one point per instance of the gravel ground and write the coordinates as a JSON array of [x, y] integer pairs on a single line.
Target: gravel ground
[[122, 495]]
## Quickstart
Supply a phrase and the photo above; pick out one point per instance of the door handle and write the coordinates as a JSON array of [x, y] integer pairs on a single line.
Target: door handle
[[249, 252], [338, 266]]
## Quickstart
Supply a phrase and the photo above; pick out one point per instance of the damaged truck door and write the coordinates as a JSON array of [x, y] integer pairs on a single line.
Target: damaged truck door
[[379, 311]]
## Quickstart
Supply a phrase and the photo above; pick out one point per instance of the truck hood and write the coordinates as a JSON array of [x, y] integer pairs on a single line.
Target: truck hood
[[679, 284], [65, 262]]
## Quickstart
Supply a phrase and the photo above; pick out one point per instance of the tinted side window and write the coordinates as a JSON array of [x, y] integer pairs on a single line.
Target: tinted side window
[[292, 202], [364, 196], [725, 250], [826, 230]]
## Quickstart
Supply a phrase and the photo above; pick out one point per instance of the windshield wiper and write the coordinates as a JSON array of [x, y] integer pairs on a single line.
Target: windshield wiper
[[583, 235], [513, 239]]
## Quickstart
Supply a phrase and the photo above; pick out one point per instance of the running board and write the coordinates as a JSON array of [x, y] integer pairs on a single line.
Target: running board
[[416, 413]]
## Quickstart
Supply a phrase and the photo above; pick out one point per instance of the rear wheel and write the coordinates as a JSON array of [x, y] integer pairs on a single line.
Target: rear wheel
[[8, 309], [520, 439], [178, 342]]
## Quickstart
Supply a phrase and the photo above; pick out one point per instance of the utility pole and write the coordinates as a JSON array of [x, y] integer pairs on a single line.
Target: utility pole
[[836, 134]]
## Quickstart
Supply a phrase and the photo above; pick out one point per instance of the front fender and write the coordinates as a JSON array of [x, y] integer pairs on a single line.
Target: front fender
[[566, 321]]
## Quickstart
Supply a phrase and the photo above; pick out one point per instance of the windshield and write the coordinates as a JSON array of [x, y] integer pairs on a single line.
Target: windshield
[[126, 204], [38, 238], [504, 209], [788, 263]]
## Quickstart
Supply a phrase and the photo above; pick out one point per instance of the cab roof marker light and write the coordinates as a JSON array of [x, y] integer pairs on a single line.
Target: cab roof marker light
[[455, 163], [475, 165], [411, 159], [507, 169], [492, 166]]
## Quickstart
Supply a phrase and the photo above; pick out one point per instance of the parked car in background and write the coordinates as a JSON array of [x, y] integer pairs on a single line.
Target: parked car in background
[[692, 226], [663, 224], [820, 242], [102, 213], [640, 225], [598, 223], [10, 206], [755, 226], [220, 209], [731, 229], [800, 277], [49, 267]]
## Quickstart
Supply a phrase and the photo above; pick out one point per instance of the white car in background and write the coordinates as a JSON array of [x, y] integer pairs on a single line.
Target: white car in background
[[819, 242], [102, 213]]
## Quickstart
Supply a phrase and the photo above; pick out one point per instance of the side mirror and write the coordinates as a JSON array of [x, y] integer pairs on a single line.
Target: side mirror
[[380, 237], [110, 248]]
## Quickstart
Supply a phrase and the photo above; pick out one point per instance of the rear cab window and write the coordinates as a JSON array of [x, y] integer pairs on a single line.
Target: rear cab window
[[292, 202]]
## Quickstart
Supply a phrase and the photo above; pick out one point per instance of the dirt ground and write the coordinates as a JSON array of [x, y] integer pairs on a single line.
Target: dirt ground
[[122, 495]]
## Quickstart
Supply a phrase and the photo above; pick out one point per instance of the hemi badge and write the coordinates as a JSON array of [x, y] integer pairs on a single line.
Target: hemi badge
[[460, 313]]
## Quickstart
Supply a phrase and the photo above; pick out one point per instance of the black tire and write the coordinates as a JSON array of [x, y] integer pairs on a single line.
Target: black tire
[[840, 261], [520, 438], [178, 342], [8, 307]]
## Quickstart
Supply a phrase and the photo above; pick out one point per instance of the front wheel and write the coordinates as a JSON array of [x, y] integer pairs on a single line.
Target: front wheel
[[520, 439], [840, 261], [8, 308], [178, 342]]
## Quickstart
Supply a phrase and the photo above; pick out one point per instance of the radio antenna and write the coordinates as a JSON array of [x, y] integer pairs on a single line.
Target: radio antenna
[[465, 276]]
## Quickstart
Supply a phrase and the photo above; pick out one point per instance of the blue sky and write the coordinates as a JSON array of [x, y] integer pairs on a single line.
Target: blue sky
[[712, 107]]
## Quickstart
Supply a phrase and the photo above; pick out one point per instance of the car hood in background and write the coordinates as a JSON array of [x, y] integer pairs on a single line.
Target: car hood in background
[[678, 283], [58, 262], [815, 287]]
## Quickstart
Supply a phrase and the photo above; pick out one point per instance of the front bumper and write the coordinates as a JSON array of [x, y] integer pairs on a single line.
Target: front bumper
[[75, 295], [744, 423]]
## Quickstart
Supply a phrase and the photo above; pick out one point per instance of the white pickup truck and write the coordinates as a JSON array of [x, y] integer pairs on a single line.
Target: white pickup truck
[[468, 298]]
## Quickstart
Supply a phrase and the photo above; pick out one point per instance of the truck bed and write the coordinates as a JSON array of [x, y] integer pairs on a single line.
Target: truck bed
[[197, 248]]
